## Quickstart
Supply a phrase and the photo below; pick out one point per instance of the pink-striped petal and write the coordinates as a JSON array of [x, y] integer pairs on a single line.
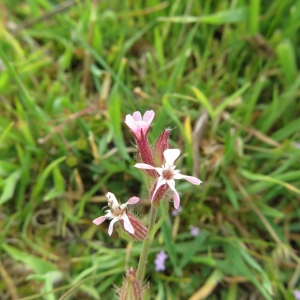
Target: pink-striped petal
[[127, 225], [99, 220], [133, 200], [171, 184]]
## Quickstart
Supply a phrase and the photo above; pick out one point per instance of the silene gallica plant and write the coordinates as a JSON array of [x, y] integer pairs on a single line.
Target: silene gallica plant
[[158, 163]]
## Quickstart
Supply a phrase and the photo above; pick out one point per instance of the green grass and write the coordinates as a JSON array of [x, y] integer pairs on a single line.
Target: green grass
[[68, 79]]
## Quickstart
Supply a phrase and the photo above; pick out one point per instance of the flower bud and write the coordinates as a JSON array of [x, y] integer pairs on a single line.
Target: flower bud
[[161, 145], [140, 230], [139, 127], [131, 288], [160, 193], [145, 153]]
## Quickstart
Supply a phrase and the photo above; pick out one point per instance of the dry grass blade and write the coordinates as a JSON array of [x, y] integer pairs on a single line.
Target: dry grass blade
[[259, 135], [58, 9], [197, 137], [208, 287], [9, 283]]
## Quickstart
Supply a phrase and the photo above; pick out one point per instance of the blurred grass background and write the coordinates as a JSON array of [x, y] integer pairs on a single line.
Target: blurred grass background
[[222, 74]]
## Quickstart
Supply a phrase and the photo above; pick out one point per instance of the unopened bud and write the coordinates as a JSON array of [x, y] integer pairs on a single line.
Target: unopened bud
[[145, 153], [161, 145], [160, 193], [140, 230], [131, 288]]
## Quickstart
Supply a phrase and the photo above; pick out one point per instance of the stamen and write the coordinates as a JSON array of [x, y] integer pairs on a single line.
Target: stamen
[[167, 174]]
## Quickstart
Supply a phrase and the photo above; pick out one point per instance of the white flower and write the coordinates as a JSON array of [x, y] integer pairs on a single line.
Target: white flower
[[117, 212], [139, 125], [167, 174]]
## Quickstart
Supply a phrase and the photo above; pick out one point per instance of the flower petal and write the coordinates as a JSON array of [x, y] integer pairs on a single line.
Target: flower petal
[[137, 116], [148, 116], [111, 225], [191, 179], [129, 121], [133, 200], [111, 197], [127, 225], [99, 220], [109, 214], [144, 166], [171, 184], [162, 255], [171, 155], [160, 181], [159, 171]]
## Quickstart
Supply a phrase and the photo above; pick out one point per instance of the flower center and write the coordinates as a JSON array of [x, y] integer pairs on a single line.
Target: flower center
[[117, 211], [168, 174]]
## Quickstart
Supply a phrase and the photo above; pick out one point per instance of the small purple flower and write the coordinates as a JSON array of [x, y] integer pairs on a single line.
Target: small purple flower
[[194, 230], [160, 261], [297, 294], [177, 211]]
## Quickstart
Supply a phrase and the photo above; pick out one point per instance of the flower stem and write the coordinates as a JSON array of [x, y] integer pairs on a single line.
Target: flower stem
[[161, 220], [146, 245], [152, 228]]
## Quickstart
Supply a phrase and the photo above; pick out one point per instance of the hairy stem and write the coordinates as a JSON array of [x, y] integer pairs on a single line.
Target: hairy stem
[[152, 228], [161, 220], [146, 245]]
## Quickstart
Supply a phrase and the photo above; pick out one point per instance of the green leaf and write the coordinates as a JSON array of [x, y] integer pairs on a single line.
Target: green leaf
[[53, 193], [9, 186], [260, 177], [266, 282], [59, 181], [5, 132], [270, 211], [114, 110], [6, 168], [287, 60], [234, 256], [42, 177], [218, 18], [231, 98], [205, 260], [37, 264], [49, 279], [254, 16], [230, 192], [204, 101], [170, 246], [192, 249]]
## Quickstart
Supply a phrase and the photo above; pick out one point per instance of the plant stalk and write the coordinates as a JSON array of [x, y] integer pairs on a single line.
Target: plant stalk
[[146, 245], [152, 228]]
